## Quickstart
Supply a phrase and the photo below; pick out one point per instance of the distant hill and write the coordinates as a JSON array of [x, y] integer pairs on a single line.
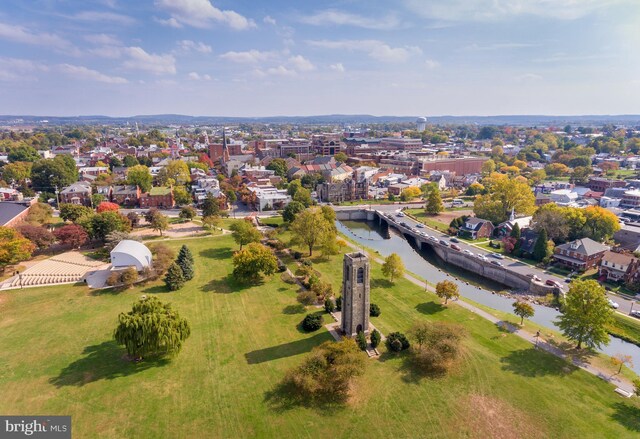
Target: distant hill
[[330, 119]]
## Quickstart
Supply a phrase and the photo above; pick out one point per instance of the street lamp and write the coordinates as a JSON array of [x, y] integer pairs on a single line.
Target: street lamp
[[537, 335]]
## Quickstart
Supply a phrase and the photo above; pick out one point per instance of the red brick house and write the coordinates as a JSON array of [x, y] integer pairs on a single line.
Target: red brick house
[[127, 195], [618, 267], [158, 197], [77, 193], [475, 228], [581, 254]]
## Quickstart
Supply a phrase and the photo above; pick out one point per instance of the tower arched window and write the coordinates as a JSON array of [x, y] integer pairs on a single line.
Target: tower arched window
[[360, 275]]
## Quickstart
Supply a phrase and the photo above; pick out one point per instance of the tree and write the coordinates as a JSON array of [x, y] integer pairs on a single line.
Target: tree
[[303, 195], [580, 174], [151, 328], [210, 206], [185, 262], [100, 225], [410, 193], [327, 372], [211, 222], [49, 174], [329, 305], [14, 247], [361, 341], [159, 222], [250, 263], [291, 210], [311, 228], [39, 235], [134, 218], [163, 257], [375, 338], [244, 233], [23, 153], [279, 166], [96, 199], [128, 277], [182, 196], [438, 345], [434, 203], [16, 172], [174, 279], [523, 309], [72, 235], [312, 322], [73, 212], [447, 290], [293, 187], [540, 249], [188, 213], [175, 173], [140, 176], [129, 161], [107, 206], [374, 310], [397, 342], [114, 238], [488, 167], [39, 213], [515, 231], [393, 266], [586, 314], [600, 224], [553, 219], [341, 157], [504, 196], [620, 360]]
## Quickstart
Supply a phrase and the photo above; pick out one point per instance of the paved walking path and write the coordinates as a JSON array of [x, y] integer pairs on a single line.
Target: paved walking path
[[616, 380]]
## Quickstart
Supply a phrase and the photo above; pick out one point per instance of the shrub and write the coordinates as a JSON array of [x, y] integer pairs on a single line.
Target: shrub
[[339, 303], [329, 305], [361, 340], [297, 255], [307, 298], [124, 278], [312, 322], [307, 263], [374, 310], [163, 257], [437, 345], [397, 342], [322, 290], [113, 279], [375, 338]]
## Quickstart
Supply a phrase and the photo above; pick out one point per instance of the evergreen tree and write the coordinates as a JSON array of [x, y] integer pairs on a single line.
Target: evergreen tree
[[174, 279], [185, 261], [515, 232], [540, 249]]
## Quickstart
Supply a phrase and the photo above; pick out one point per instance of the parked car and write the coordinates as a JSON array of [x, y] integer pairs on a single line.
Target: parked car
[[433, 239], [613, 304], [534, 277], [456, 240], [445, 243], [635, 313], [400, 214], [498, 263], [553, 283], [497, 255], [467, 251], [455, 247], [457, 202], [482, 257], [404, 224], [420, 226]]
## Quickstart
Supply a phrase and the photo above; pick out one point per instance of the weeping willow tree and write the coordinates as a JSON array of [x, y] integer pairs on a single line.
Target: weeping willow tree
[[151, 328]]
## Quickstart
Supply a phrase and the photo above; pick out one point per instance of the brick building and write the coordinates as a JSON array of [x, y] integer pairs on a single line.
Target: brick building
[[158, 197], [459, 166]]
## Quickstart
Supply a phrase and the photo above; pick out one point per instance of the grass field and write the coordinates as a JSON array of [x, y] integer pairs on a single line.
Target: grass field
[[57, 356]]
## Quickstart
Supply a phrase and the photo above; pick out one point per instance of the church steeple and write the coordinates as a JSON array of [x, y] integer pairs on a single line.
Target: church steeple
[[225, 149], [513, 214]]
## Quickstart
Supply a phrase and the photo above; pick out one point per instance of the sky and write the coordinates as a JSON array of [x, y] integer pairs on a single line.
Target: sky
[[277, 57]]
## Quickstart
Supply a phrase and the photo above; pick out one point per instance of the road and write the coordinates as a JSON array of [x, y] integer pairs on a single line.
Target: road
[[625, 305]]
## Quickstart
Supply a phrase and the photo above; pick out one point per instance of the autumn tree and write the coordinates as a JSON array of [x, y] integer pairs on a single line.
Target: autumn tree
[[410, 193], [175, 173], [253, 261], [39, 213], [140, 176], [437, 345], [152, 328], [447, 290], [182, 196], [72, 235], [39, 235], [393, 267], [188, 213], [586, 314], [434, 203], [504, 196], [244, 233], [620, 360], [14, 247], [523, 309], [107, 206], [600, 223], [73, 212], [311, 228], [159, 222]]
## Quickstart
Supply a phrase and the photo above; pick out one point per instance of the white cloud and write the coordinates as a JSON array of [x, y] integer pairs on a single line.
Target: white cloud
[[188, 45], [497, 46], [20, 34], [338, 67], [201, 13], [301, 64], [528, 77], [494, 10], [111, 52], [247, 57], [84, 73], [102, 39], [431, 64], [149, 62], [374, 48], [96, 16], [197, 77], [269, 20], [171, 22], [12, 69], [335, 17], [276, 71]]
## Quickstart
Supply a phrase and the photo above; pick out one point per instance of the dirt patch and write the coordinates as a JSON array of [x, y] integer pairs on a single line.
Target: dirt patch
[[447, 217], [489, 417]]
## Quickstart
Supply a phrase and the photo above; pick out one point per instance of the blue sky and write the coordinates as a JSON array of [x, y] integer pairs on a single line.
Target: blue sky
[[277, 57]]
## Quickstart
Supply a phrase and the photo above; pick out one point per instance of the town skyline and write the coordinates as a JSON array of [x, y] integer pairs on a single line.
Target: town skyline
[[201, 57]]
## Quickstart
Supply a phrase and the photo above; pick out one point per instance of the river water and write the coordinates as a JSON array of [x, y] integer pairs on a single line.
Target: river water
[[428, 266]]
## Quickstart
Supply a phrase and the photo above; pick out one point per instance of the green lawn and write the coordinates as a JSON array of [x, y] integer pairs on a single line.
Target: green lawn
[[420, 215], [58, 357]]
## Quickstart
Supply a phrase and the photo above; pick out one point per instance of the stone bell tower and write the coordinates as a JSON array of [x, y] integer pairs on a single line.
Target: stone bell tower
[[355, 294]]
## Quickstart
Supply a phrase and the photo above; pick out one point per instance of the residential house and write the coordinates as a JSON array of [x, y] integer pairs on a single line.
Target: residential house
[[77, 193], [13, 213], [528, 239], [475, 228], [581, 254], [158, 197], [10, 194], [505, 228], [125, 195], [618, 266]]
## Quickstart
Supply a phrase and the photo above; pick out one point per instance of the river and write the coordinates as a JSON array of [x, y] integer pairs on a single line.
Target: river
[[428, 265]]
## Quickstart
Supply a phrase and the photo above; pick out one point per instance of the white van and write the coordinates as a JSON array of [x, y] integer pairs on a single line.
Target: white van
[[457, 202]]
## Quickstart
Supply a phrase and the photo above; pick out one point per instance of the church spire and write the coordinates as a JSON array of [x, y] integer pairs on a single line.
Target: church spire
[[225, 149]]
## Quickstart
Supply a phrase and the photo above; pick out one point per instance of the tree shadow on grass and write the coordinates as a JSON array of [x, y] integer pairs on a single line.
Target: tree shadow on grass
[[627, 415], [102, 361], [157, 289], [227, 285], [578, 356], [381, 283], [294, 309], [285, 350], [286, 397], [430, 308], [533, 362]]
